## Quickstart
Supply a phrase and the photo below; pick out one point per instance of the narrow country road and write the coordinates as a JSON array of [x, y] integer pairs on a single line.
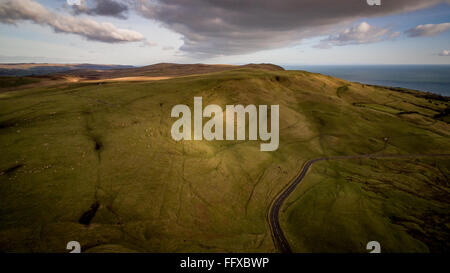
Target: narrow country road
[[273, 217]]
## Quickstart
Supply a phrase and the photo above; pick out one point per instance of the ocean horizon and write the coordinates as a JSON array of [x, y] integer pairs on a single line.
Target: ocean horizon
[[428, 78]]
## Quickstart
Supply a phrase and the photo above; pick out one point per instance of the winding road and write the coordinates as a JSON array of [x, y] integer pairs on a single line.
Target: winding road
[[273, 217]]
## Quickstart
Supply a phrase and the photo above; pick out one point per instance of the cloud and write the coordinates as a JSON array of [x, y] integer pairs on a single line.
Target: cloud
[[428, 30], [102, 7], [148, 44], [34, 59], [237, 27], [393, 35], [14, 11], [444, 53], [361, 34]]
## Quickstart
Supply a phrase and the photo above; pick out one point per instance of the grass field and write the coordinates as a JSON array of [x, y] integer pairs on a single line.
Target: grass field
[[96, 163], [402, 204], [11, 82]]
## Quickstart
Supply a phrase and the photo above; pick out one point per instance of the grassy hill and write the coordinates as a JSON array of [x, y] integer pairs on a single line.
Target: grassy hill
[[96, 163]]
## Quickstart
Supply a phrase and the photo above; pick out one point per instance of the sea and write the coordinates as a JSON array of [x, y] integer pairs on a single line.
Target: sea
[[429, 78]]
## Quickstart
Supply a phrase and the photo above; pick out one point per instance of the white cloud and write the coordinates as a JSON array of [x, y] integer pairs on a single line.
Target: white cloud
[[394, 35], [361, 34], [14, 11], [428, 30], [148, 44], [444, 53]]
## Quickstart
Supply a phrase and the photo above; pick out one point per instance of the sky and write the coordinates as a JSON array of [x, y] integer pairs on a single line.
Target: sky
[[284, 32]]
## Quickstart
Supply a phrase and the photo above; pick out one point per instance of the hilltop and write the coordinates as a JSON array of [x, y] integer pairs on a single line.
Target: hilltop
[[99, 71], [53, 74], [165, 70]]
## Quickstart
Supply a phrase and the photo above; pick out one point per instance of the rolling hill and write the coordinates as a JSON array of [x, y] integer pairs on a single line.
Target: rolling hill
[[96, 163]]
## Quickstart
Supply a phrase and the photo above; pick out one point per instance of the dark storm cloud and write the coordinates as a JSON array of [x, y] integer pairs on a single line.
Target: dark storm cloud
[[230, 27], [102, 7]]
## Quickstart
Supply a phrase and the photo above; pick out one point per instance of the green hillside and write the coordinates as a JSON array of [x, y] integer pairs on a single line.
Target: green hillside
[[96, 163]]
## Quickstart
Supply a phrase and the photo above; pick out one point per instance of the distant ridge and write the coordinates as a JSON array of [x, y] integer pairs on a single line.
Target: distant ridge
[[101, 71], [164, 69], [39, 69]]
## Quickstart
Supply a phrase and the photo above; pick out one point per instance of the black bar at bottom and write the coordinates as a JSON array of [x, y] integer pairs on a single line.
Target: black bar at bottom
[[196, 262]]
